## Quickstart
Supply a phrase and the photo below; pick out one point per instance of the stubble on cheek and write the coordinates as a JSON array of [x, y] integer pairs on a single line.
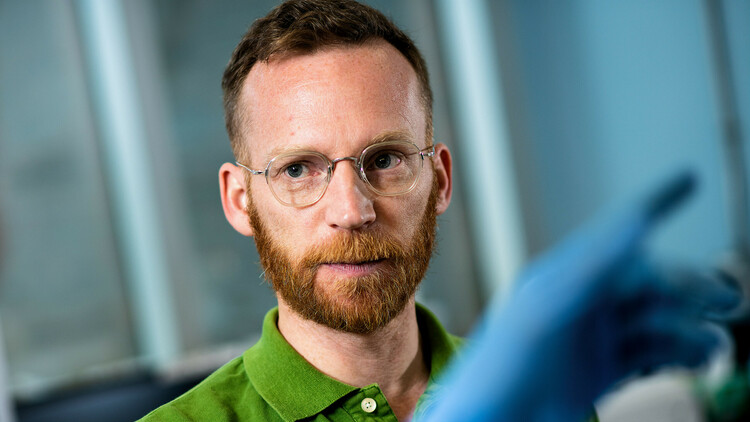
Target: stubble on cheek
[[360, 304]]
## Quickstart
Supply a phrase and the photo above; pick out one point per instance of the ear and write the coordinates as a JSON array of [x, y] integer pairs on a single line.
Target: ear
[[444, 173], [234, 198]]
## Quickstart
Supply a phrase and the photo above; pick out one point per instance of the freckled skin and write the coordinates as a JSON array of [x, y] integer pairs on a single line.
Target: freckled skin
[[335, 102]]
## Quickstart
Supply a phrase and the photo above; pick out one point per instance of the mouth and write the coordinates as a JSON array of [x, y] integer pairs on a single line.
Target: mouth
[[353, 268]]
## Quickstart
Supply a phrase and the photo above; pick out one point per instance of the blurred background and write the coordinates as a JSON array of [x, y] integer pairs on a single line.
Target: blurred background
[[121, 283]]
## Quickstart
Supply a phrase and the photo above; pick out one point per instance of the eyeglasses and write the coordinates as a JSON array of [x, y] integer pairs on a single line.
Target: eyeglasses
[[300, 178]]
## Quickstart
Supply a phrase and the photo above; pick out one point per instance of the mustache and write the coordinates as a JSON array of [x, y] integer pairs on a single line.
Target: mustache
[[354, 248]]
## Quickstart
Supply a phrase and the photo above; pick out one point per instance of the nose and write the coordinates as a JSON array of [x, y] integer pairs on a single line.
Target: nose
[[348, 201]]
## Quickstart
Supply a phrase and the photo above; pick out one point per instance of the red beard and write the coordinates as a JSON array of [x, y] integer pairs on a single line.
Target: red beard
[[360, 304]]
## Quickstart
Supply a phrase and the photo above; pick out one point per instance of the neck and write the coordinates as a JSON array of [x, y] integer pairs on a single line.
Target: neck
[[391, 356]]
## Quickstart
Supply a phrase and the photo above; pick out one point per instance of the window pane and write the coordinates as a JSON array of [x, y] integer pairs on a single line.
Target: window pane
[[63, 307]]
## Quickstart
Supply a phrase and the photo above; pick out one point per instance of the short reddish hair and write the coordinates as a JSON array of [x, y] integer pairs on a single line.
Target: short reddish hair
[[304, 26]]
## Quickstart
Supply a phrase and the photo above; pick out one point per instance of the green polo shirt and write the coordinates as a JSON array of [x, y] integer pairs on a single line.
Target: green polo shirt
[[272, 382]]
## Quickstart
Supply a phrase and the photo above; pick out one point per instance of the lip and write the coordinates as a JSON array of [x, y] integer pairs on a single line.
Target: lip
[[353, 269]]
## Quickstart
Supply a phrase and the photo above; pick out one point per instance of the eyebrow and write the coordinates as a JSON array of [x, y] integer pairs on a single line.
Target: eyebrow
[[391, 135]]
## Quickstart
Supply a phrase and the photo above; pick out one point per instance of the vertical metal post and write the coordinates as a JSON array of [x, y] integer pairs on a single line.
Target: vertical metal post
[[474, 75], [7, 412], [130, 174], [734, 151]]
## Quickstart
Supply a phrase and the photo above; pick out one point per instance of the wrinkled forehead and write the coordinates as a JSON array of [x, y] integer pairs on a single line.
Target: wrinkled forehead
[[341, 92]]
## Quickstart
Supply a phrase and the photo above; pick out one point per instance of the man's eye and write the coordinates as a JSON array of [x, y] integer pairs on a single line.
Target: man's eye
[[296, 170], [384, 161]]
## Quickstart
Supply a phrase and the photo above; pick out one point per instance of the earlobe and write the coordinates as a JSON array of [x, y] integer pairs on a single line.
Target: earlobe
[[444, 174], [234, 198]]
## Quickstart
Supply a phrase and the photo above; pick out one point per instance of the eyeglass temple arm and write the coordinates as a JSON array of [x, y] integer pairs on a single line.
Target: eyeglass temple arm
[[253, 172], [427, 152]]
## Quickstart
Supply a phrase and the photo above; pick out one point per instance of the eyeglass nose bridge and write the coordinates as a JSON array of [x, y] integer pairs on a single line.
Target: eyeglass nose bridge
[[337, 160], [354, 160]]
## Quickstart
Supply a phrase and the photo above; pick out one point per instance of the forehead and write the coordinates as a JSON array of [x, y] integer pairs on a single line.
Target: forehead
[[336, 98]]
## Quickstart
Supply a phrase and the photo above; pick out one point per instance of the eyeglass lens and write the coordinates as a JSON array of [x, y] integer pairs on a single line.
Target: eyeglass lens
[[299, 179]]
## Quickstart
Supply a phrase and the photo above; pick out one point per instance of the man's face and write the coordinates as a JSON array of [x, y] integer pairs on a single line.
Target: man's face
[[353, 260]]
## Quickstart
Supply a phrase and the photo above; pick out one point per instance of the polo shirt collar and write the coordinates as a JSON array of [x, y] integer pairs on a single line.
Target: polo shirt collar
[[296, 390]]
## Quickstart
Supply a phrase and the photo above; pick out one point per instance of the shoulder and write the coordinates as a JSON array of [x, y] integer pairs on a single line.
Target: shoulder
[[225, 395]]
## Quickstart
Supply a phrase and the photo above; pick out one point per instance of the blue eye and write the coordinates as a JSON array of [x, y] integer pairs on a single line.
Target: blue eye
[[295, 170], [385, 160], [382, 161]]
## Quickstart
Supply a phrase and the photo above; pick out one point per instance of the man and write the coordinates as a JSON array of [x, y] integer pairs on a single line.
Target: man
[[329, 112], [328, 109]]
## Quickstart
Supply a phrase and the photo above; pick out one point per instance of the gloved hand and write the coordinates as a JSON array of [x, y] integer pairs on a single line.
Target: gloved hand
[[593, 311]]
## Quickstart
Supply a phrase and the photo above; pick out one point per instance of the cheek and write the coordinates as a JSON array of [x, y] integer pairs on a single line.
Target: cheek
[[292, 229], [402, 214]]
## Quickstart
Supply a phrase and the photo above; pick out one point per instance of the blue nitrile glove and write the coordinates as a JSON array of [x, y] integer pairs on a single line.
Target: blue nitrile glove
[[589, 313]]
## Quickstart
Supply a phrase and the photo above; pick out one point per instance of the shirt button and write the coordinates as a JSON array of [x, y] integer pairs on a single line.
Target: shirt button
[[369, 405]]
